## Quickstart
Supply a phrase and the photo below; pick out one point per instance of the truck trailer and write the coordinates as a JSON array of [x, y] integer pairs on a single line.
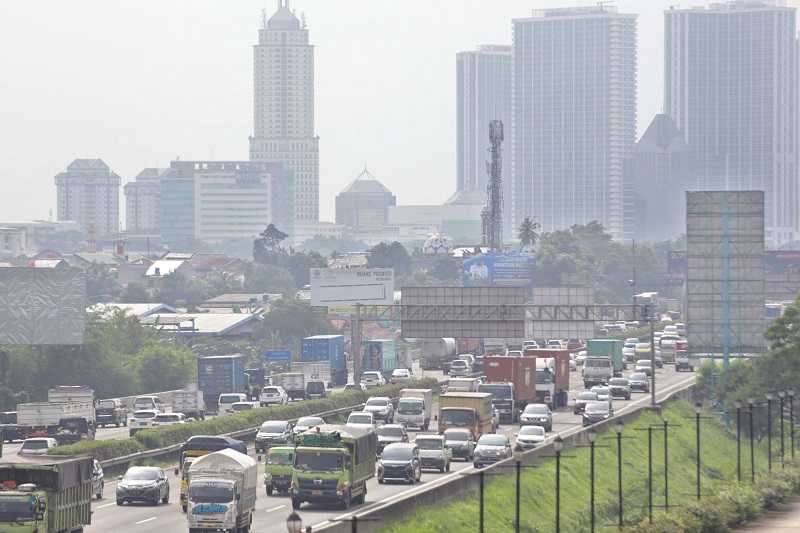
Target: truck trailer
[[220, 374], [512, 383], [552, 375]]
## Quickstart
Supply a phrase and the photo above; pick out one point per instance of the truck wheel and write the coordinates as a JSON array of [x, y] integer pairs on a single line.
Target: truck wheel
[[120, 502], [100, 493], [296, 504]]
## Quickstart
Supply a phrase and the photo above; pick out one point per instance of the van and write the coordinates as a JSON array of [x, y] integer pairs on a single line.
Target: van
[[227, 400], [153, 403], [315, 389]]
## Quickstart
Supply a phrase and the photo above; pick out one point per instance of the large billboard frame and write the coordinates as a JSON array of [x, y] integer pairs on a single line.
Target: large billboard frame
[[334, 287]]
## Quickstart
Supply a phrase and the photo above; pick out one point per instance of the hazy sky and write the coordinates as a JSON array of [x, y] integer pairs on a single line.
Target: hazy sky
[[139, 83]]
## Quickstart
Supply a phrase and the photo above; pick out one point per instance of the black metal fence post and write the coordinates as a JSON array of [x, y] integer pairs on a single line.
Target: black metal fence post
[[618, 427], [738, 405], [781, 396], [750, 403], [769, 432], [698, 407]]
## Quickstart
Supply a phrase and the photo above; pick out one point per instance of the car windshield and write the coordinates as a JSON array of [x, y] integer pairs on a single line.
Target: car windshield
[[316, 461], [17, 508], [600, 390], [35, 444], [457, 435], [106, 404], [639, 376], [206, 493], [310, 421], [315, 387], [536, 409], [501, 392], [619, 382], [492, 440], [458, 363], [273, 427], [230, 398], [597, 407], [400, 372], [458, 417], [397, 453], [141, 474], [272, 391], [370, 375], [643, 347], [428, 444], [410, 406], [359, 419], [282, 459], [390, 431], [532, 430], [598, 362], [587, 396], [144, 414], [377, 402], [167, 418]]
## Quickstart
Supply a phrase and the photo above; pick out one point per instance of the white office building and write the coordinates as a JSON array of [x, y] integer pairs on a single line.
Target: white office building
[[731, 87], [143, 201], [573, 119], [284, 107], [88, 193]]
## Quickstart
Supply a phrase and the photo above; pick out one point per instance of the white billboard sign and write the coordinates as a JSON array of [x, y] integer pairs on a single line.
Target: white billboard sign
[[338, 287]]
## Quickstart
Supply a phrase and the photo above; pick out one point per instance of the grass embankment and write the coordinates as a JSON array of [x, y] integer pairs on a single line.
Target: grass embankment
[[161, 437], [718, 453]]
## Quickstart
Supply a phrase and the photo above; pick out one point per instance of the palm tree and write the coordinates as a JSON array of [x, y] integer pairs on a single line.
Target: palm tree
[[528, 233]]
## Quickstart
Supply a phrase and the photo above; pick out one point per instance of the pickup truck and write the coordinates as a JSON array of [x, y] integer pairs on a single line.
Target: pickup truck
[[111, 412]]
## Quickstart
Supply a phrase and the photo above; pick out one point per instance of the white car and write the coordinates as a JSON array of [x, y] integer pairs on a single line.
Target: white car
[[381, 408], [168, 419], [273, 395], [141, 420], [37, 446], [530, 437], [372, 378], [238, 407], [305, 423], [399, 375], [361, 419], [629, 351], [580, 358], [226, 401]]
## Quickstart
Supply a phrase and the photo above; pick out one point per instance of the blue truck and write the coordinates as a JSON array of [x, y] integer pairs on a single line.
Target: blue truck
[[326, 349], [220, 374]]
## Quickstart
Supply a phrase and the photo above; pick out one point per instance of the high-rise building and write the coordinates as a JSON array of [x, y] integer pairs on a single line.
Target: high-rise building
[[730, 84], [142, 199], [283, 109], [573, 117], [483, 79], [364, 204], [88, 193]]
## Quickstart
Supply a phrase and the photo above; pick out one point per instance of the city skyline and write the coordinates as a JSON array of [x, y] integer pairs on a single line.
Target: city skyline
[[432, 147]]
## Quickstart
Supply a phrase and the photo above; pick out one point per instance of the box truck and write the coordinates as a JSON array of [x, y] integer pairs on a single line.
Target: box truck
[[220, 374]]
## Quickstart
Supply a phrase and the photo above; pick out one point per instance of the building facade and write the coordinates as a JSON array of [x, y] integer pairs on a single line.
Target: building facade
[[731, 88], [573, 118], [88, 193], [483, 94], [364, 204], [283, 110], [142, 201]]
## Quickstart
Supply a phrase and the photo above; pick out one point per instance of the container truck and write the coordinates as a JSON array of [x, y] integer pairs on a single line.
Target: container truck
[[314, 372], [222, 492], [332, 464], [327, 349], [414, 408], [434, 352], [67, 422], [45, 494], [469, 410], [380, 355], [511, 382], [294, 383], [552, 375], [220, 374], [611, 348], [190, 402]]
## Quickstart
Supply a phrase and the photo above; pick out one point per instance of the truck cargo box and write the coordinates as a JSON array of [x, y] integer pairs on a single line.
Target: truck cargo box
[[521, 371], [324, 348], [220, 374], [42, 414], [71, 393]]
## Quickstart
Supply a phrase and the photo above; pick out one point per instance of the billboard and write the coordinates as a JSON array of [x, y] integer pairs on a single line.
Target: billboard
[[277, 356], [41, 306], [498, 270], [341, 287], [560, 329]]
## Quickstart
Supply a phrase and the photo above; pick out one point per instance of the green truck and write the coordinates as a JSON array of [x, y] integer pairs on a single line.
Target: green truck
[[611, 348], [47, 494], [332, 464], [278, 469]]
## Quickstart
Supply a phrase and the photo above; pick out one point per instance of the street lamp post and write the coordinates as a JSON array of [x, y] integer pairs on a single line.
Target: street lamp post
[[738, 406], [666, 467], [480, 509], [781, 396], [790, 393], [697, 409], [618, 427], [769, 431], [294, 524], [558, 445], [650, 474], [592, 434], [750, 403]]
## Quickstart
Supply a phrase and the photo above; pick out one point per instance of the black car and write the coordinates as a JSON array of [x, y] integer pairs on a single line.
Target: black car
[[389, 434], [400, 462], [620, 388], [143, 484], [460, 442], [8, 425], [597, 412], [639, 381]]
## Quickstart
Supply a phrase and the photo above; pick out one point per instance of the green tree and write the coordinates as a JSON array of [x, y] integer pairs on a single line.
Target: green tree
[[327, 245], [177, 287], [290, 321], [301, 263], [528, 233], [390, 255], [446, 268], [134, 293], [268, 242], [163, 366], [101, 283], [269, 278]]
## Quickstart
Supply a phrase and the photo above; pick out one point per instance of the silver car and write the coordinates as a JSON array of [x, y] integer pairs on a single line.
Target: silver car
[[491, 448], [530, 437], [434, 452]]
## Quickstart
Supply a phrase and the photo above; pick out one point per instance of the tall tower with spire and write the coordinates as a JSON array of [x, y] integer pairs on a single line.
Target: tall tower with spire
[[283, 107]]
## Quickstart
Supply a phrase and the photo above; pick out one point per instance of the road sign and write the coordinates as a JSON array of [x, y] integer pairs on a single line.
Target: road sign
[[340, 287], [277, 356]]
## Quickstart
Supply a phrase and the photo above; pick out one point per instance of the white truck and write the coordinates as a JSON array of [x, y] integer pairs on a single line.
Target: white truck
[[67, 422], [463, 384], [414, 408], [313, 371], [294, 383], [222, 492], [189, 402], [70, 394]]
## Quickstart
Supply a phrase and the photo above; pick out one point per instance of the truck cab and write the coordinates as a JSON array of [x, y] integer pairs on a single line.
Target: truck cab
[[502, 400], [597, 371], [278, 469]]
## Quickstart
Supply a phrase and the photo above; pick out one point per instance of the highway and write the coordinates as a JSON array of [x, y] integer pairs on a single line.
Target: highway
[[271, 512]]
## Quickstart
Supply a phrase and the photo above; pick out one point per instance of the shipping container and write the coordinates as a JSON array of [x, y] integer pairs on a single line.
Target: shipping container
[[220, 374], [380, 355], [552, 374], [521, 371], [324, 348]]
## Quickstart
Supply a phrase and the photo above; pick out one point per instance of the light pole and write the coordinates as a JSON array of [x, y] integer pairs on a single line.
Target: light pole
[[769, 431], [698, 407], [750, 403], [666, 467], [480, 509], [558, 445], [592, 434], [781, 396], [294, 524], [738, 406], [650, 474], [618, 427], [790, 393]]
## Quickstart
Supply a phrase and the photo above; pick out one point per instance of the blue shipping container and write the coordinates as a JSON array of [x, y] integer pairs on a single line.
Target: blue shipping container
[[220, 374], [324, 348]]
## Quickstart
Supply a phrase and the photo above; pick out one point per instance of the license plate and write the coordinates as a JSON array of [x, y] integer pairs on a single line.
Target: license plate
[[316, 493]]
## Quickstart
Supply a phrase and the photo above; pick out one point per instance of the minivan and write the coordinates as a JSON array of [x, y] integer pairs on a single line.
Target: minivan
[[227, 400]]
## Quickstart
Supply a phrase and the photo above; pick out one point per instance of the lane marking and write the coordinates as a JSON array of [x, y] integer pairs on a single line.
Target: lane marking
[[146, 520], [105, 505], [278, 508]]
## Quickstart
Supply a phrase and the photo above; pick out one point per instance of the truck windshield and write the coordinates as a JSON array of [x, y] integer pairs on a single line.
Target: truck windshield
[[206, 493], [598, 362], [499, 392], [410, 407], [544, 376], [106, 404], [318, 461], [283, 459], [458, 417], [16, 509]]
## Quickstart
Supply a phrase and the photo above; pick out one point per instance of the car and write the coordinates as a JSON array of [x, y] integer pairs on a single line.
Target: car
[[530, 437], [316, 389], [597, 412], [629, 351], [657, 358], [238, 407], [97, 479], [372, 378], [582, 399], [168, 419], [381, 408], [11, 431], [603, 393], [573, 366], [683, 361], [225, 402], [459, 368], [580, 357], [274, 433], [642, 350], [680, 329], [400, 375], [400, 462], [390, 433], [37, 445], [307, 422], [573, 345], [434, 452], [620, 388], [639, 381], [273, 395], [143, 484], [350, 387], [468, 357], [537, 414], [362, 419], [141, 420], [461, 443], [514, 353], [530, 344], [644, 366], [490, 449]]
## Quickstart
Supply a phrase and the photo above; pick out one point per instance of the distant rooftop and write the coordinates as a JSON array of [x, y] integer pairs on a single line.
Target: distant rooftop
[[365, 182], [204, 323], [283, 19], [140, 311]]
